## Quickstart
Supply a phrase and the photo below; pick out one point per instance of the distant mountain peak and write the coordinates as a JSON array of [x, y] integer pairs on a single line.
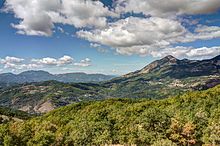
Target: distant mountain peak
[[169, 57], [34, 72], [167, 60], [173, 67]]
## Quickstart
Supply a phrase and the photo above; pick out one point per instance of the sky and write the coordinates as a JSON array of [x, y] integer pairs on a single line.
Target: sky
[[107, 36]]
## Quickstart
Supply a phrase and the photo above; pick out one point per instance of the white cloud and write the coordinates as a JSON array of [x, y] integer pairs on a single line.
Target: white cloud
[[37, 17], [141, 35], [9, 59], [53, 61], [164, 8], [201, 32], [40, 25], [65, 60], [135, 35], [95, 45], [46, 61], [207, 32], [22, 66], [188, 52], [83, 63], [159, 31], [203, 28], [16, 63]]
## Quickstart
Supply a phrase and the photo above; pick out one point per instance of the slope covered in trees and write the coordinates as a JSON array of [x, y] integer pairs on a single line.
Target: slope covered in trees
[[14, 113], [190, 119]]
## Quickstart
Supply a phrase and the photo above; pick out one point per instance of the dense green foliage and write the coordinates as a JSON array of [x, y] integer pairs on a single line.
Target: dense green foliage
[[190, 119], [14, 113]]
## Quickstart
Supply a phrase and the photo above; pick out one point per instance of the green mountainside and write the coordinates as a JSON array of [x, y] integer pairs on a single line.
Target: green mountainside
[[190, 119], [8, 114], [160, 79], [167, 76], [45, 96]]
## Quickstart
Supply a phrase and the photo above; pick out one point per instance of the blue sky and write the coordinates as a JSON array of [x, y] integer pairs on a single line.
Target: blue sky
[[107, 37]]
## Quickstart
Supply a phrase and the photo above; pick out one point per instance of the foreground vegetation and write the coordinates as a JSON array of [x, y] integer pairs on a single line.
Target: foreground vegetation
[[190, 119]]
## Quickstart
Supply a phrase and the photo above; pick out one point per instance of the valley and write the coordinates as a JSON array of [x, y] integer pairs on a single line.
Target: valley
[[160, 79]]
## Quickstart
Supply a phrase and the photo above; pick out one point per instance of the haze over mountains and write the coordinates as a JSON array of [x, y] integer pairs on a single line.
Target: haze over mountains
[[39, 76]]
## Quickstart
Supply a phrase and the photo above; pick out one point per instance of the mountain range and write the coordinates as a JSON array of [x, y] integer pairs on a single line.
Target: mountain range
[[167, 76], [40, 76], [172, 67], [162, 78]]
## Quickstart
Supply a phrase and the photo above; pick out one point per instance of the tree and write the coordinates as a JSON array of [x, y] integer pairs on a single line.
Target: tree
[[164, 142], [183, 134]]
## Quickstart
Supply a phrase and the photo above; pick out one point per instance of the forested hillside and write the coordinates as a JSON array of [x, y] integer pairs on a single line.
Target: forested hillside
[[189, 119]]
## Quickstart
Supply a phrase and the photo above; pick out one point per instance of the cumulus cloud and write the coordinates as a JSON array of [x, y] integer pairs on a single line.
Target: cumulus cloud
[[140, 35], [201, 32], [9, 59], [37, 17], [161, 28], [207, 32], [188, 52], [164, 8], [16, 63], [135, 35], [65, 60], [83, 63]]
